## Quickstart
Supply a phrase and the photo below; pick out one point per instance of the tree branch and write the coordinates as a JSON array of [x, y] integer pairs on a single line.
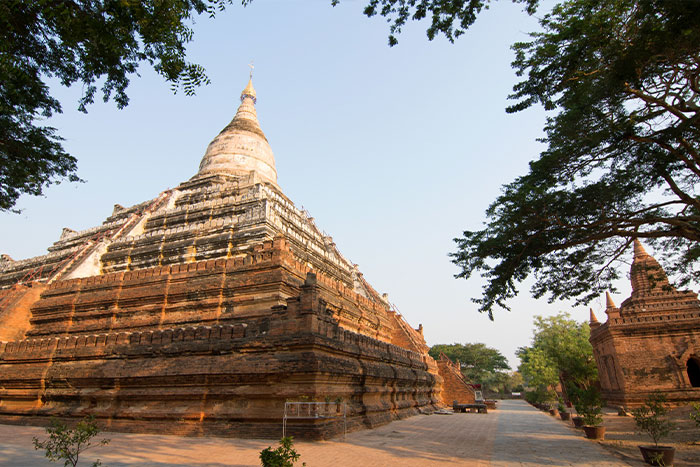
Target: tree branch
[[653, 100]]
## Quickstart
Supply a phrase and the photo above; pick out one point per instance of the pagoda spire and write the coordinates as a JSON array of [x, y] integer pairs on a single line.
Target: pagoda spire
[[241, 147], [249, 91], [610, 308], [609, 301], [593, 320], [639, 250], [646, 274]]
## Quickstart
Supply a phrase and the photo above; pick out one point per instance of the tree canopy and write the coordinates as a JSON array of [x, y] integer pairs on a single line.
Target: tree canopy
[[623, 155], [506, 383], [622, 79], [79, 42], [537, 368], [478, 362], [448, 17], [560, 353]]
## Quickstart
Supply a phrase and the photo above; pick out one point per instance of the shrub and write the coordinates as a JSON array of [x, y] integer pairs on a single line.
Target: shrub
[[68, 444], [541, 395], [531, 397], [695, 413], [592, 415], [650, 418], [283, 456], [588, 405]]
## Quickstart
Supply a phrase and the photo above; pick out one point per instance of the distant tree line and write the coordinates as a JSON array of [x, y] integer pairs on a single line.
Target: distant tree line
[[481, 365]]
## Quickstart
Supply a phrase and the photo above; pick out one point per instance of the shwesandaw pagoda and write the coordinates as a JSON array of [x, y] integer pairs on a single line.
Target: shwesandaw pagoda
[[204, 309]]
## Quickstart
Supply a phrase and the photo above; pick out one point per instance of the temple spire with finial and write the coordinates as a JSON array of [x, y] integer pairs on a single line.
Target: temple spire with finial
[[593, 320], [639, 250], [249, 90], [609, 301], [610, 309], [646, 274], [241, 148]]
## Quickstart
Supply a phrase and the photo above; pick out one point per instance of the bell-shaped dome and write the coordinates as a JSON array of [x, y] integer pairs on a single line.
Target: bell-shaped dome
[[241, 147]]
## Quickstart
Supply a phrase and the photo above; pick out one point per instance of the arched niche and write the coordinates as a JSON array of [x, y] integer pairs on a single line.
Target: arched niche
[[693, 368]]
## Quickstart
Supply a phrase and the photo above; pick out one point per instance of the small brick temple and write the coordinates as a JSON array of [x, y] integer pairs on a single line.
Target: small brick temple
[[651, 342], [204, 309]]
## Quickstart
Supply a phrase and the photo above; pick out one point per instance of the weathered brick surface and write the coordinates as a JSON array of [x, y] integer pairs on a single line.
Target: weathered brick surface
[[15, 306], [647, 342], [201, 367], [454, 385]]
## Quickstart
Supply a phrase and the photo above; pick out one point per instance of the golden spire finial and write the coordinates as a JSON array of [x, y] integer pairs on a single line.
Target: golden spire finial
[[249, 91]]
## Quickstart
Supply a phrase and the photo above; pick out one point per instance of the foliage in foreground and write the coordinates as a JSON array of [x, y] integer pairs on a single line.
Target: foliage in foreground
[[283, 456], [588, 404], [84, 43], [67, 444], [651, 418]]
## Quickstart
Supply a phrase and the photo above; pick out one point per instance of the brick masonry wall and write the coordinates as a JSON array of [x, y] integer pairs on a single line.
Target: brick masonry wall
[[637, 359], [15, 312], [454, 385], [155, 350], [645, 346]]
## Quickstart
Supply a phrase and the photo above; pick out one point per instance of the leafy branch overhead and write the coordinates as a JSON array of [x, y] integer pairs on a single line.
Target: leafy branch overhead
[[623, 156], [448, 17], [621, 78], [78, 42]]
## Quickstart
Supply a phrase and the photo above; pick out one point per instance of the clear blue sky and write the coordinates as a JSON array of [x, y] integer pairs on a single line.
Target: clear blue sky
[[394, 151]]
